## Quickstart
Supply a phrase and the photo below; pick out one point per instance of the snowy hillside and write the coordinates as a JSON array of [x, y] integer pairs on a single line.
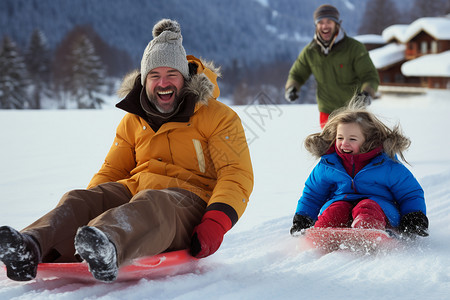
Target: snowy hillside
[[46, 153], [247, 31]]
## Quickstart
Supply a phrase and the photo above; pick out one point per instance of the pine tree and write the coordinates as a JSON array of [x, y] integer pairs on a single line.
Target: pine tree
[[37, 61], [13, 77], [87, 74], [115, 62]]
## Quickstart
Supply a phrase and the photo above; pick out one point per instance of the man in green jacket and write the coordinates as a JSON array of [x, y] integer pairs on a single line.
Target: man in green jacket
[[340, 64]]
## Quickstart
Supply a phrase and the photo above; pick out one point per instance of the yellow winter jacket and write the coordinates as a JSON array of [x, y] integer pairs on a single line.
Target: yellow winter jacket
[[207, 155]]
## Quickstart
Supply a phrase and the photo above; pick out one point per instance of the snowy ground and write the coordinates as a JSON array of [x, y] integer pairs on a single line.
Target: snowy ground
[[46, 153]]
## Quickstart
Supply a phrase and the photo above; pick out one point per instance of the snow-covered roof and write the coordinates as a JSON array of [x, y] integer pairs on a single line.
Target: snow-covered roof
[[370, 39], [387, 55], [431, 65], [394, 32], [437, 27]]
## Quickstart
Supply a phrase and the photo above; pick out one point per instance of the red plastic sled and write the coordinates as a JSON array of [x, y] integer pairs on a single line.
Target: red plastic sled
[[151, 267], [350, 239]]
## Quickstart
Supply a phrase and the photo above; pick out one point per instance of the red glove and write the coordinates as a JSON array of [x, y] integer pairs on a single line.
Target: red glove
[[208, 235]]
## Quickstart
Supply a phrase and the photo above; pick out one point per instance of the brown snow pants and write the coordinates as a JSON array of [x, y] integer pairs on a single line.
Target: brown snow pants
[[148, 223]]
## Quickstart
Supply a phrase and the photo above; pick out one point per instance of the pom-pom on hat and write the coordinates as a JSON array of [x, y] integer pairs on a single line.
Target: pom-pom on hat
[[165, 50], [326, 11]]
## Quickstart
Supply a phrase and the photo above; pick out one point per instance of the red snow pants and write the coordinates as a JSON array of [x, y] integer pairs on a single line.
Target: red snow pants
[[365, 214], [323, 119]]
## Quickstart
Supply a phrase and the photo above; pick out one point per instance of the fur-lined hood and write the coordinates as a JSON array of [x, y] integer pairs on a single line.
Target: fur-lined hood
[[202, 82]]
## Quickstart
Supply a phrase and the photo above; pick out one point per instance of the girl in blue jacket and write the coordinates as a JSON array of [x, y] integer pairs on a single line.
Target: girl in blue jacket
[[359, 182]]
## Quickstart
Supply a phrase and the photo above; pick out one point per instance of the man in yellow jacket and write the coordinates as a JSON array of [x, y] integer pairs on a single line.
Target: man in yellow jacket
[[178, 174]]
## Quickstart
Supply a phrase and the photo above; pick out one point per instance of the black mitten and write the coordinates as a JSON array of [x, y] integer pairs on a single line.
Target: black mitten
[[299, 223], [364, 98], [291, 94], [414, 223]]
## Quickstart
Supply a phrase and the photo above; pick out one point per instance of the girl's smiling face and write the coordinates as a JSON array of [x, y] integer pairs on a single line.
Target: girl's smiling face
[[349, 138]]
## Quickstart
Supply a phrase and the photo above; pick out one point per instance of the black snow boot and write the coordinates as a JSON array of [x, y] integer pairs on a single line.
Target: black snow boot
[[94, 247], [20, 253]]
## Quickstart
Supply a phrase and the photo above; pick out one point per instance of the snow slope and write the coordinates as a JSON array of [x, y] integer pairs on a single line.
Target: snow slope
[[46, 153]]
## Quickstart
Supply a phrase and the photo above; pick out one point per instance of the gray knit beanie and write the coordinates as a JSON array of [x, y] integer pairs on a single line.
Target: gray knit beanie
[[326, 11], [165, 50]]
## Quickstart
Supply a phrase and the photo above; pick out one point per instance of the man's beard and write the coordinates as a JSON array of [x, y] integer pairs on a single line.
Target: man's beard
[[153, 98], [326, 43]]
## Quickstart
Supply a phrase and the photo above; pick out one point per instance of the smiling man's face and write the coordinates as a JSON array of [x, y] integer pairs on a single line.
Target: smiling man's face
[[326, 28], [162, 86]]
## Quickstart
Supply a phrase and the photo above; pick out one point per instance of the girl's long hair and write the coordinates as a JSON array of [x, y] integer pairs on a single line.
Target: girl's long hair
[[375, 132]]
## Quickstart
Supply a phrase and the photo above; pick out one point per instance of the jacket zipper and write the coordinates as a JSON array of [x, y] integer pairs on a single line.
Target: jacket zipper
[[353, 174], [368, 167]]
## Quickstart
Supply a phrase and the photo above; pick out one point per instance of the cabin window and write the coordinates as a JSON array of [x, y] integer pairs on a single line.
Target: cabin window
[[423, 47], [399, 78], [434, 47]]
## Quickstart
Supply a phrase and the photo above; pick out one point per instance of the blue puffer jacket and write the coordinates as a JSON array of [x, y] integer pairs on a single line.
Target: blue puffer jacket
[[383, 180]]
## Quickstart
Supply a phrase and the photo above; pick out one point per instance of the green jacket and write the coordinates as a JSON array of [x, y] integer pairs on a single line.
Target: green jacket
[[346, 70]]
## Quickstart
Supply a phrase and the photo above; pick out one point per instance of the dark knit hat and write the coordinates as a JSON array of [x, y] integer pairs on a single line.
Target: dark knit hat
[[326, 11]]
